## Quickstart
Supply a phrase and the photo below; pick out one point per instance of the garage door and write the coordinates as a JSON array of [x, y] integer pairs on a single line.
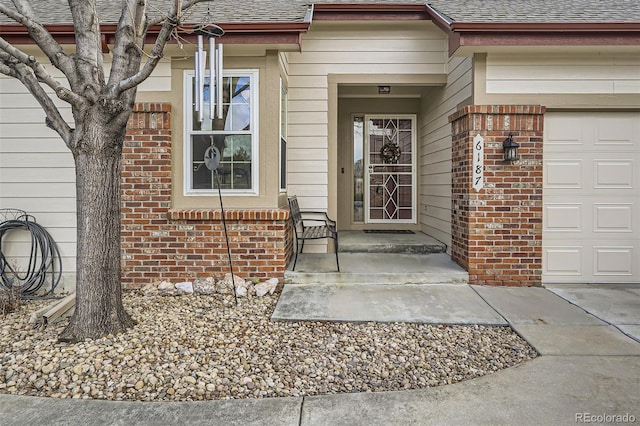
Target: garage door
[[591, 197]]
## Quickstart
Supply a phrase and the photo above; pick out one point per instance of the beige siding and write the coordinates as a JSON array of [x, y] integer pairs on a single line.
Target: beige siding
[[36, 175], [435, 148], [159, 80], [334, 48], [556, 73], [37, 171]]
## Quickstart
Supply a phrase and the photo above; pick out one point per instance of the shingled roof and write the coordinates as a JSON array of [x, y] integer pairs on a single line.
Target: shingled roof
[[228, 11], [288, 11], [538, 11]]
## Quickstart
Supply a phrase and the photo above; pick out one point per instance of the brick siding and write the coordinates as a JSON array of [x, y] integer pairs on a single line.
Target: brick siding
[[497, 231], [161, 243]]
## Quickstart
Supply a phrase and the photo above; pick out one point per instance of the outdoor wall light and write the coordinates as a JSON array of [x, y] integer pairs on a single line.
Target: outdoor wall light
[[510, 149]]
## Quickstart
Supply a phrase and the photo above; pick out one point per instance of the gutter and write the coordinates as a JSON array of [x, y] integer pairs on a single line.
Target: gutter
[[235, 33], [369, 12], [446, 25], [544, 26], [479, 35]]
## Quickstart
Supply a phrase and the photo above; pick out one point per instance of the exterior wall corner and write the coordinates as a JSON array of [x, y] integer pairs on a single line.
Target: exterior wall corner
[[161, 243], [497, 230]]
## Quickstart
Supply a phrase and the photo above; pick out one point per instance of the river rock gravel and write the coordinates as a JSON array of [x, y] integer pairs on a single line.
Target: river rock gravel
[[203, 347]]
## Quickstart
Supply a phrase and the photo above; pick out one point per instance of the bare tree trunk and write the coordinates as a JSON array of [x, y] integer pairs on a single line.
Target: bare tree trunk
[[100, 112], [99, 310]]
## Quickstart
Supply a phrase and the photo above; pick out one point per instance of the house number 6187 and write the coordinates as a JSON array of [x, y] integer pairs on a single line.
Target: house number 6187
[[478, 163]]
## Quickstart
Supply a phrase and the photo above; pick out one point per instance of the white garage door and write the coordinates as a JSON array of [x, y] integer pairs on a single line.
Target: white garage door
[[591, 197]]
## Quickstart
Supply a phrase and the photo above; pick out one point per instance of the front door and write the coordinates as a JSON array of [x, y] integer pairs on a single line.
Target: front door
[[390, 169]]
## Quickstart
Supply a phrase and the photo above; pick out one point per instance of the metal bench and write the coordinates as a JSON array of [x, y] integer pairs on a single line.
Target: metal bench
[[310, 225]]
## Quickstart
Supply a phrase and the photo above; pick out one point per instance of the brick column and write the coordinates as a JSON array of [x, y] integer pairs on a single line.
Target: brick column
[[161, 243], [497, 231]]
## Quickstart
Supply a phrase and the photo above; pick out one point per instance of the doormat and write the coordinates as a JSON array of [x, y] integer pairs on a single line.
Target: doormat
[[388, 231]]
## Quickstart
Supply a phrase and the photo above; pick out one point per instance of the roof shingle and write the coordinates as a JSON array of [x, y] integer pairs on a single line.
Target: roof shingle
[[539, 11], [286, 11], [223, 11]]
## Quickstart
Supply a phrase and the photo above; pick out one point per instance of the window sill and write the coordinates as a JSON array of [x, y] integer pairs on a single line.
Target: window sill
[[251, 214], [214, 193]]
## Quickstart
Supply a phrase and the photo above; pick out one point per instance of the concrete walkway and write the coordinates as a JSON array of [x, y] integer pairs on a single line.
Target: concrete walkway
[[428, 304], [618, 305], [589, 372]]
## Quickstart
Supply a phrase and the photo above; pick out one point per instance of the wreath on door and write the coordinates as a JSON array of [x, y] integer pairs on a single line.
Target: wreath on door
[[390, 153]]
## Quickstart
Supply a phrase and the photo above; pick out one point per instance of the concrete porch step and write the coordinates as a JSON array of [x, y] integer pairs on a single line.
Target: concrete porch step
[[361, 242], [376, 268]]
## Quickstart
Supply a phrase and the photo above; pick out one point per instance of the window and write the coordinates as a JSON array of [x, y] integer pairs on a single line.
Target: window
[[235, 135], [283, 135], [358, 168]]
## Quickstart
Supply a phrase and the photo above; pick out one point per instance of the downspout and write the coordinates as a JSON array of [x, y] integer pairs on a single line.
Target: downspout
[[440, 16], [309, 16], [445, 24]]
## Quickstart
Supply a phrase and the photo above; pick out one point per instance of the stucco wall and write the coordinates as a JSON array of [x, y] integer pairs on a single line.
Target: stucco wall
[[268, 92]]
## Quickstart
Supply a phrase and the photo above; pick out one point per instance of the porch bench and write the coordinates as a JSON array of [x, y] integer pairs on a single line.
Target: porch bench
[[311, 225]]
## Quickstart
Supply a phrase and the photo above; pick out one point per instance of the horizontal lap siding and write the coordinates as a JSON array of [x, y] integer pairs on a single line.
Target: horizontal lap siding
[[345, 48], [37, 175], [572, 74], [159, 80], [435, 149], [37, 172]]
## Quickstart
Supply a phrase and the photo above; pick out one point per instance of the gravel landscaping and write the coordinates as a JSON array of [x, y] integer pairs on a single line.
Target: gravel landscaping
[[203, 347]]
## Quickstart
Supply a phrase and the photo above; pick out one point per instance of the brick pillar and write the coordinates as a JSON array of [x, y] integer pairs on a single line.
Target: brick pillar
[[161, 243], [497, 231], [145, 188]]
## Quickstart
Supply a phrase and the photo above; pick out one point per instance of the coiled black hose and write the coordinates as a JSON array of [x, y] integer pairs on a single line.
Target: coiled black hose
[[44, 257]]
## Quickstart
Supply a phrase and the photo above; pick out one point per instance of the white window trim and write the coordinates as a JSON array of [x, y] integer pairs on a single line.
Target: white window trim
[[253, 74], [283, 188]]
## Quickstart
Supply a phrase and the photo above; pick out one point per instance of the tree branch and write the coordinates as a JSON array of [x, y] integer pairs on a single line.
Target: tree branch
[[25, 16], [14, 68], [126, 53], [186, 4], [39, 72], [151, 63], [88, 56], [169, 23]]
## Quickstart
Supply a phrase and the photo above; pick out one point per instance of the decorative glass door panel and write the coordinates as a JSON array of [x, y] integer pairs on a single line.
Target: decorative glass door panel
[[390, 169]]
